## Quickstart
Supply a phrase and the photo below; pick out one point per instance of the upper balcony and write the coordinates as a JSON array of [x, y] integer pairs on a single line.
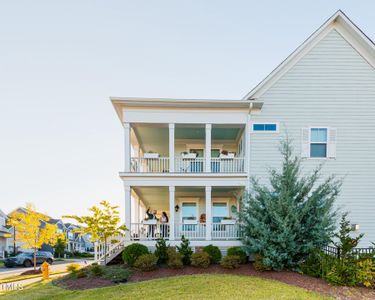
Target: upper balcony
[[186, 148]]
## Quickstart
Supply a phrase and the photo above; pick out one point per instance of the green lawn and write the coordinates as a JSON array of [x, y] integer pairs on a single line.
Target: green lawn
[[183, 287]]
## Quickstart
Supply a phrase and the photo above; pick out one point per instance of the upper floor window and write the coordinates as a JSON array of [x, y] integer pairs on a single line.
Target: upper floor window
[[318, 142], [265, 127]]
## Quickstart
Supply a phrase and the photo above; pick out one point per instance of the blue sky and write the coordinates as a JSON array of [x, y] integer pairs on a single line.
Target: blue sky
[[61, 144]]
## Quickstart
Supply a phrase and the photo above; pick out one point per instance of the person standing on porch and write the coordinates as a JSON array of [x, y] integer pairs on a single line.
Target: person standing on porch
[[151, 228], [164, 224]]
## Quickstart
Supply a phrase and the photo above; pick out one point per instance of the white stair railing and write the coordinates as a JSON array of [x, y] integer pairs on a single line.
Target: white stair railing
[[105, 253]]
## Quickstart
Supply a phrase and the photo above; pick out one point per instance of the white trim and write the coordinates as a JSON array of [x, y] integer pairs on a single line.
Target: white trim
[[264, 123], [340, 22]]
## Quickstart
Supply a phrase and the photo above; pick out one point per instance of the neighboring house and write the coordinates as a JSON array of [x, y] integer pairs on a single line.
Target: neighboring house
[[192, 157], [5, 235], [76, 241]]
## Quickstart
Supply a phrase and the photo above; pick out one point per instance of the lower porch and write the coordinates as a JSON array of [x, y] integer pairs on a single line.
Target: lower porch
[[198, 213]]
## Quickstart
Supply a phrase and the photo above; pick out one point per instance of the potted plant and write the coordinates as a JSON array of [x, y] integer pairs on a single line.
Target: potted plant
[[226, 154], [151, 154]]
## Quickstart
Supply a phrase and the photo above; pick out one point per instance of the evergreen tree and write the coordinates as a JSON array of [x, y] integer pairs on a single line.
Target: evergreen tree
[[185, 250], [292, 215], [161, 251], [345, 242]]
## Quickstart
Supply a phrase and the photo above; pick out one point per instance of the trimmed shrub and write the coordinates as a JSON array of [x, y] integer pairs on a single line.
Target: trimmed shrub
[[214, 253], [81, 273], [96, 270], [259, 264], [185, 250], [312, 265], [117, 274], [200, 259], [174, 259], [230, 262], [146, 262], [72, 268], [132, 252], [161, 251], [238, 251]]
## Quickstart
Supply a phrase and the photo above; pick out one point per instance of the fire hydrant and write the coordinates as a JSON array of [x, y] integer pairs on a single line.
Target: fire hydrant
[[45, 270]]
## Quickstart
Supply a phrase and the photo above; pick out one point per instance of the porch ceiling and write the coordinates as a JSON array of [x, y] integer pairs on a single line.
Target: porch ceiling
[[158, 197], [155, 138]]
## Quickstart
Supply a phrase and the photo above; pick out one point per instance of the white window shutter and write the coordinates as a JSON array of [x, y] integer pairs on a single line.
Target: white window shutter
[[331, 147], [305, 146]]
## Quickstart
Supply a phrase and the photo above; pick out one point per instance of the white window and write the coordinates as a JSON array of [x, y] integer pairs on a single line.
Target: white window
[[219, 211], [189, 211], [2, 221], [319, 142]]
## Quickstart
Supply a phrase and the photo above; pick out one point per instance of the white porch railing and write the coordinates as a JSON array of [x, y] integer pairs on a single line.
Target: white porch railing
[[149, 165], [190, 231], [228, 165], [189, 165], [222, 231], [142, 231]]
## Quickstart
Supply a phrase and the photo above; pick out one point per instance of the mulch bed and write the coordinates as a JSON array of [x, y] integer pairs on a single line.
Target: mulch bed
[[309, 283]]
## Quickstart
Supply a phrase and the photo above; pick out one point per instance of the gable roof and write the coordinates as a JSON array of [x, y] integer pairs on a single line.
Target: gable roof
[[339, 22]]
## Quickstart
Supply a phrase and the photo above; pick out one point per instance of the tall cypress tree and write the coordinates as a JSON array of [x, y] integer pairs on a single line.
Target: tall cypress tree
[[283, 221]]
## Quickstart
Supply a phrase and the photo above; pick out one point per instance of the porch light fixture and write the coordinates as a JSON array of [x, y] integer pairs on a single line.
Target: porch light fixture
[[176, 208], [355, 227]]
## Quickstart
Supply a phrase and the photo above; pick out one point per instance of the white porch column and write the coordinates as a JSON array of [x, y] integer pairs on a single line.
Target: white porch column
[[171, 148], [127, 146], [208, 148], [247, 146], [128, 211], [208, 213], [171, 212]]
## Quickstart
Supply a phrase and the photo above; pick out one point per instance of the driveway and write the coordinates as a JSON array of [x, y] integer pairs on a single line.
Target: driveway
[[56, 266]]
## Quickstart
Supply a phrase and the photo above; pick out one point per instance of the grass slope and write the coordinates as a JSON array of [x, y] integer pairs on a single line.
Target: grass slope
[[182, 287]]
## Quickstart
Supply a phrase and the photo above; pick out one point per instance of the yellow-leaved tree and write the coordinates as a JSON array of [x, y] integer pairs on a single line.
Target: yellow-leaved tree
[[102, 224], [33, 229]]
